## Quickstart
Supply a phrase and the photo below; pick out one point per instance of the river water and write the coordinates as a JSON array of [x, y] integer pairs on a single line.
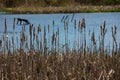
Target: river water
[[93, 23]]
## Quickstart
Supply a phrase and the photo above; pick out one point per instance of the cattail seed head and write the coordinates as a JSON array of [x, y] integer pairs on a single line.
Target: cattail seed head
[[79, 26], [93, 38], [48, 28], [39, 28], [5, 26], [83, 23], [14, 24], [75, 23]]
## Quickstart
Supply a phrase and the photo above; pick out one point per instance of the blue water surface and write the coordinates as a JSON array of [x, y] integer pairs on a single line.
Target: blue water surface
[[93, 23]]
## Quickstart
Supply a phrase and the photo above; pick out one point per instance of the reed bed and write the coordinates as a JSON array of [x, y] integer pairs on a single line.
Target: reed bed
[[36, 66], [41, 57]]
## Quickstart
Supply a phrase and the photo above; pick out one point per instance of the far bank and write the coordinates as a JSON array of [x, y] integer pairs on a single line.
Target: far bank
[[61, 9]]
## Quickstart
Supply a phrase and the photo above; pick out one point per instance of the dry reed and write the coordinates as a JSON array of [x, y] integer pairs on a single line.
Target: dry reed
[[63, 65]]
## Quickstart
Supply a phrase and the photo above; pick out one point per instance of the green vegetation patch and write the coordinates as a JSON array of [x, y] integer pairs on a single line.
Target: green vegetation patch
[[6, 10]]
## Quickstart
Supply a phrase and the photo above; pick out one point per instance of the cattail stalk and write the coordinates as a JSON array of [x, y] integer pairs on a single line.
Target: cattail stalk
[[17, 42], [45, 41], [78, 35], [13, 35], [6, 36], [83, 25], [30, 32], [75, 34], [48, 35], [103, 33], [114, 32], [39, 32], [34, 34], [58, 40], [66, 35], [5, 28], [53, 26]]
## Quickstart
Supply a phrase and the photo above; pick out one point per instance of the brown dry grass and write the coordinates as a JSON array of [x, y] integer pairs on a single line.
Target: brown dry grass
[[36, 66]]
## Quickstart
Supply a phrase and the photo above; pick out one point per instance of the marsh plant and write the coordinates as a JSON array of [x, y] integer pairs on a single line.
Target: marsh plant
[[44, 58]]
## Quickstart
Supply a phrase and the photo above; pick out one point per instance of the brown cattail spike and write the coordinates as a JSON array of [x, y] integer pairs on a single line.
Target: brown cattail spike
[[75, 23], [5, 26], [83, 25], [93, 38], [39, 28], [14, 24]]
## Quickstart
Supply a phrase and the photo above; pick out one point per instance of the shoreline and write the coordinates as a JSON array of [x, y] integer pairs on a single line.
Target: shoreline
[[61, 9]]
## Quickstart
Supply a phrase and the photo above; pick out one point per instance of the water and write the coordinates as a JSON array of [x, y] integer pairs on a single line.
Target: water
[[93, 23]]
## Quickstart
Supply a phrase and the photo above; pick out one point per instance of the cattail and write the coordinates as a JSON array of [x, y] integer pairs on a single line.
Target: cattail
[[34, 33], [30, 29], [93, 38], [53, 38], [103, 33], [66, 33], [6, 37], [74, 33], [83, 25], [6, 40], [75, 24], [53, 23], [79, 29], [37, 41], [101, 30], [72, 17], [5, 26], [12, 40], [17, 41], [26, 46], [56, 34], [39, 28], [14, 24], [104, 25], [48, 28], [114, 32], [66, 17], [64, 25], [10, 45], [45, 40], [53, 26], [48, 35], [23, 36], [44, 34], [13, 43], [58, 40], [78, 33]]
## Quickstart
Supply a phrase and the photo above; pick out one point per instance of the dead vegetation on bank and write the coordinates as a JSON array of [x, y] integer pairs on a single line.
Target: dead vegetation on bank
[[62, 9]]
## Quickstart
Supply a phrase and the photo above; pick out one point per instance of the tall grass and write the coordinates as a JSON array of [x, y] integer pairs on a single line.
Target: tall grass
[[48, 62]]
